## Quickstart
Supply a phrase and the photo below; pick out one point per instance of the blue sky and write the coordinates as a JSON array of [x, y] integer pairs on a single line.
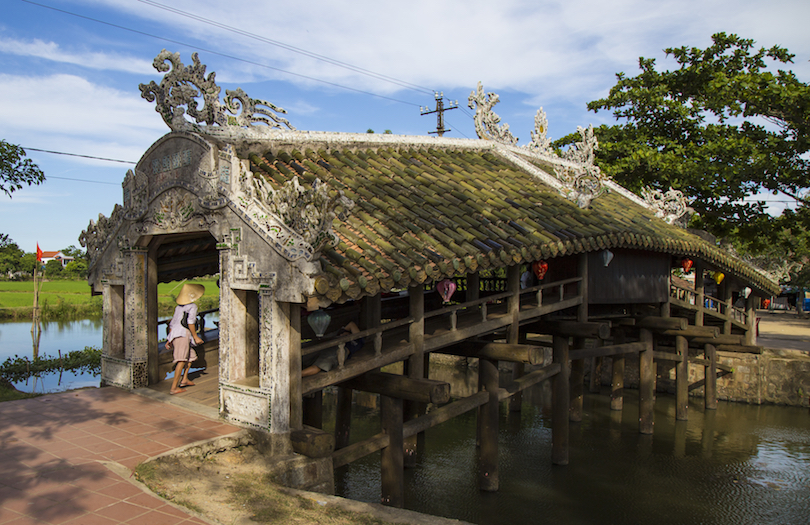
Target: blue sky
[[70, 69]]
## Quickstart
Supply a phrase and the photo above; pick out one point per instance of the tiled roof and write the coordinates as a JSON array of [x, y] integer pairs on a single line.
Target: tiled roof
[[426, 213]]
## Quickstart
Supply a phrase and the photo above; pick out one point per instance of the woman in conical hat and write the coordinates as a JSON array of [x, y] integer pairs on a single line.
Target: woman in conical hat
[[183, 335]]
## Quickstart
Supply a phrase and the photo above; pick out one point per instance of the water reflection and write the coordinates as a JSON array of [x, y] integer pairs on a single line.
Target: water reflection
[[739, 464]]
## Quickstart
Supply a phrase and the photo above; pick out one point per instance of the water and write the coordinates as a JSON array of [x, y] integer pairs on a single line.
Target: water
[[67, 336], [740, 464]]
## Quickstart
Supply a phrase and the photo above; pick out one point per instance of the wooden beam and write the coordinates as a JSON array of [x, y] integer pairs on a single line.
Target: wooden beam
[[745, 349], [721, 339], [667, 356], [611, 350], [658, 324], [570, 329], [401, 387], [693, 331], [528, 380], [513, 353], [705, 362]]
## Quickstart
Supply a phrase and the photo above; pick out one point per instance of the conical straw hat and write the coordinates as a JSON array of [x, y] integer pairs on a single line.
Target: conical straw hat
[[190, 293]]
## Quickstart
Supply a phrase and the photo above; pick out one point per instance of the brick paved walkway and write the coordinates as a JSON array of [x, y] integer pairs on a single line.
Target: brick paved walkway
[[62, 457]]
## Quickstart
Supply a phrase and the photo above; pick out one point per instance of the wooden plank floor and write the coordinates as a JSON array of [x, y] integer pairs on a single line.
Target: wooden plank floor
[[205, 390]]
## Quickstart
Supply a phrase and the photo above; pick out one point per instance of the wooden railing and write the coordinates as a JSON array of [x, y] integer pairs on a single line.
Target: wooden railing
[[710, 304]]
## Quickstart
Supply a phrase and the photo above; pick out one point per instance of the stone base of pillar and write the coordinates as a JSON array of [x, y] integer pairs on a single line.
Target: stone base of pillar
[[124, 373]]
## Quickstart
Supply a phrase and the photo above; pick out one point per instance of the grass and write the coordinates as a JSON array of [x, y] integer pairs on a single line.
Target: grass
[[9, 393], [66, 299]]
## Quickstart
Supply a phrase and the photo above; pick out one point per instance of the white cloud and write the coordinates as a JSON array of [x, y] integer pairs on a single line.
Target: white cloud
[[93, 60]]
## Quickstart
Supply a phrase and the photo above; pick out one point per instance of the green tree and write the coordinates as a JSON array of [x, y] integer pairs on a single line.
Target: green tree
[[15, 170], [10, 255], [76, 253], [720, 127], [76, 268], [53, 268]]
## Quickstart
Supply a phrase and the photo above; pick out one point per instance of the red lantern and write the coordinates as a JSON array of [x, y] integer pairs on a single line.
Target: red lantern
[[687, 265], [446, 289], [766, 303], [540, 268]]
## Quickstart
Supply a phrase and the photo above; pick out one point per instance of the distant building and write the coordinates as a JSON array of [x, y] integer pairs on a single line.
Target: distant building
[[56, 256]]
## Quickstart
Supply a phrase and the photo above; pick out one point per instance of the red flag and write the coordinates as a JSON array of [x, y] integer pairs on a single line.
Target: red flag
[[39, 253]]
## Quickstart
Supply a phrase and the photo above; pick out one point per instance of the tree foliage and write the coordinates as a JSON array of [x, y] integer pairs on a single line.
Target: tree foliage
[[16, 170], [720, 127], [10, 255]]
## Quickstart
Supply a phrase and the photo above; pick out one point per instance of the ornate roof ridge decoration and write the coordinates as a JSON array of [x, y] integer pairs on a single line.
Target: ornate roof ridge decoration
[[299, 218], [541, 143], [185, 85], [671, 206], [97, 235], [487, 121]]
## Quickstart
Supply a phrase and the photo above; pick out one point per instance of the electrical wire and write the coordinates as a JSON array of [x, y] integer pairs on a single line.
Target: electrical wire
[[289, 47], [78, 155], [224, 55]]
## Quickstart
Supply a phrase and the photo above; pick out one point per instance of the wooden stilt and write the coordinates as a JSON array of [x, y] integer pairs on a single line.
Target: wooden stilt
[[513, 332], [488, 428], [646, 388], [596, 372], [343, 417], [682, 379], [560, 397], [392, 462], [415, 368], [710, 376], [577, 383], [617, 381]]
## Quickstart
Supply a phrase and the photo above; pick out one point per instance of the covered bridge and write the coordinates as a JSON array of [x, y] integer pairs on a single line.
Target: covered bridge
[[364, 227]]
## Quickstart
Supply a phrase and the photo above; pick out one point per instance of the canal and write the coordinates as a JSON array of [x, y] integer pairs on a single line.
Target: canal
[[740, 464]]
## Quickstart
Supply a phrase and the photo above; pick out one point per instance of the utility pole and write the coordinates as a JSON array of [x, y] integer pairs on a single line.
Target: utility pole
[[440, 109]]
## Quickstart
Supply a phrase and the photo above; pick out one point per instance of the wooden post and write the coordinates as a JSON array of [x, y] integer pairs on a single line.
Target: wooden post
[[682, 379], [577, 383], [617, 382], [473, 286], [415, 366], [343, 417], [560, 397], [513, 331], [296, 392], [488, 427], [646, 387], [710, 377], [750, 338], [726, 298], [392, 461], [700, 297]]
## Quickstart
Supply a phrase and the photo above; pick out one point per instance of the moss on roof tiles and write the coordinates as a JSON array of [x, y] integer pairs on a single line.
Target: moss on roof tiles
[[428, 213]]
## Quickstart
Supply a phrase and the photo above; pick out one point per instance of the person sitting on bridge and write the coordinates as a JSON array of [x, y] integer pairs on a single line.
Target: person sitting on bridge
[[183, 335], [328, 359]]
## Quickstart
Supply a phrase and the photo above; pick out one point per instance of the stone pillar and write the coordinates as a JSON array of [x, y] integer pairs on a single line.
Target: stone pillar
[[274, 363], [113, 321], [135, 311]]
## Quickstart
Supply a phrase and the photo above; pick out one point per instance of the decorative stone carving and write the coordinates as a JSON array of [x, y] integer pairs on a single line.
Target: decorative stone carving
[[583, 152], [671, 206], [95, 237], [487, 121], [540, 143], [581, 184], [186, 85]]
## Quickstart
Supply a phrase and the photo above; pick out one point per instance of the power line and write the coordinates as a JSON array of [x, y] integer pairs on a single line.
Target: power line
[[224, 55], [78, 155], [289, 47], [84, 180]]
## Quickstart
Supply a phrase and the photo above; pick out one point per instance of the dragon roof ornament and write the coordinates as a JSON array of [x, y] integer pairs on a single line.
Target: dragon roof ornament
[[671, 206], [487, 121], [541, 143], [186, 85]]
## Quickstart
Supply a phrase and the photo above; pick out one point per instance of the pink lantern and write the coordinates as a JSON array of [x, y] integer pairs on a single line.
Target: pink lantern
[[446, 289], [540, 268]]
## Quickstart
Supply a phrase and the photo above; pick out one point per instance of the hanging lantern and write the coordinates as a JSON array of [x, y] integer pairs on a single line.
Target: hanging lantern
[[746, 292], [540, 268], [606, 256], [718, 277], [686, 264], [446, 289], [766, 303], [319, 321]]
